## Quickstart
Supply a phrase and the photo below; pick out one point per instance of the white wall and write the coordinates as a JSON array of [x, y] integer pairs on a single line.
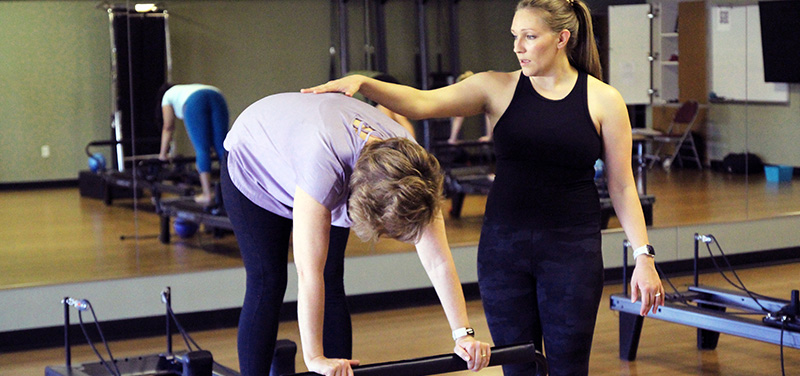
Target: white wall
[[37, 307]]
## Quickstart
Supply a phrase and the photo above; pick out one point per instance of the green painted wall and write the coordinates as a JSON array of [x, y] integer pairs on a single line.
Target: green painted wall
[[55, 63], [54, 87], [55, 69]]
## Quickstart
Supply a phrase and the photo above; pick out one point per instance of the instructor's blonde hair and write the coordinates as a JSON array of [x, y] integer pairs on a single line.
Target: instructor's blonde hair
[[572, 15], [395, 190]]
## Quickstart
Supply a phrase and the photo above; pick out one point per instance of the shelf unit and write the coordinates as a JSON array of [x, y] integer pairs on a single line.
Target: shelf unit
[[666, 52], [679, 60]]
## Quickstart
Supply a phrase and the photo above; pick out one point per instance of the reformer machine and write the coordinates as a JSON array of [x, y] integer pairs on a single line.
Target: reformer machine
[[712, 311], [213, 216], [146, 172], [197, 362], [468, 168], [140, 63]]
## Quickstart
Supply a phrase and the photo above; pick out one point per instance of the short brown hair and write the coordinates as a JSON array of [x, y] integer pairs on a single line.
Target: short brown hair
[[395, 190]]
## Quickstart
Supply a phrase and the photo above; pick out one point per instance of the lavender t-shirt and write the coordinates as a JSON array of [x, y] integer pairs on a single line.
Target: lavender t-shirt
[[309, 141]]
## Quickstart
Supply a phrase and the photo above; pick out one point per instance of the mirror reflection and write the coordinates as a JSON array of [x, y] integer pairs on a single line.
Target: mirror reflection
[[63, 103]]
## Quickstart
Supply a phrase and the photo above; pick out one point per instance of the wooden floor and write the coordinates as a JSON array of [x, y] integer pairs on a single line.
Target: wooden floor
[[55, 236], [665, 348]]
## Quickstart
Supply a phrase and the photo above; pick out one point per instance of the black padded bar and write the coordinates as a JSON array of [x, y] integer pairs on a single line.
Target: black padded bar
[[433, 365]]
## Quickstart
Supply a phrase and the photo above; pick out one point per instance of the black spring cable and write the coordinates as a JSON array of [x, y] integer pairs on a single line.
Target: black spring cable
[[677, 294], [742, 287], [115, 371], [733, 271], [185, 335]]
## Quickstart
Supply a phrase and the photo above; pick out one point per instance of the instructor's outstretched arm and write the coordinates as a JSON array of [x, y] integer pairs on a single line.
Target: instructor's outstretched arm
[[465, 98]]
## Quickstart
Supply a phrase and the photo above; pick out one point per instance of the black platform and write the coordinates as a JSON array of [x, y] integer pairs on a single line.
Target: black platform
[[213, 218], [144, 365]]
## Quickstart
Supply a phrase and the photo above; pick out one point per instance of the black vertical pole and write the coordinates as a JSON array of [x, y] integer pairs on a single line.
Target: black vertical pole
[[67, 348], [167, 297], [696, 254], [333, 49], [381, 62], [455, 51], [423, 67], [625, 245], [343, 40], [423, 44]]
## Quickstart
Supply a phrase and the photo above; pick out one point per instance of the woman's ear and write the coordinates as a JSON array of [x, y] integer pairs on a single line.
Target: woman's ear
[[563, 38]]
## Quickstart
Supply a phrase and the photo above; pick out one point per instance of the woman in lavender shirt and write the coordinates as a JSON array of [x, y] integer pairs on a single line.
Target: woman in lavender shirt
[[314, 166]]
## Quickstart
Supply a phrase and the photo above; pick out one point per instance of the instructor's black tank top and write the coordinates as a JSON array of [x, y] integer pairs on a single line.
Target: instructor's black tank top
[[546, 150]]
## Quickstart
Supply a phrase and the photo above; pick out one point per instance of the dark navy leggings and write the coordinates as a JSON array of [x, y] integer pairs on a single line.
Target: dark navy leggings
[[263, 239], [205, 115], [542, 284]]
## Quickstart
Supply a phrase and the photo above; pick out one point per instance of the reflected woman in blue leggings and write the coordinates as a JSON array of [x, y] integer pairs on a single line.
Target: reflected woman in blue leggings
[[205, 114]]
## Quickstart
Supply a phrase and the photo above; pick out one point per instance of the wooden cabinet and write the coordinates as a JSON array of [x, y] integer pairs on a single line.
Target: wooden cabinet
[[692, 61]]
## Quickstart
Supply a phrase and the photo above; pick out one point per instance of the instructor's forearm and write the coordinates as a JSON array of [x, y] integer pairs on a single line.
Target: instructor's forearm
[[631, 217]]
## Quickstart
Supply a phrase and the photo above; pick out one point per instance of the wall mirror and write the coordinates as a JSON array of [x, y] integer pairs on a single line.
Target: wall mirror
[[56, 75]]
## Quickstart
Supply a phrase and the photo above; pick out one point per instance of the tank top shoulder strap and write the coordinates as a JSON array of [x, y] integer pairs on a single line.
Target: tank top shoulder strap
[[523, 86], [581, 88]]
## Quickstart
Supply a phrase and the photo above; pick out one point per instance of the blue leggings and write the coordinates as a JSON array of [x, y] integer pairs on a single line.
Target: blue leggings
[[205, 116], [542, 284], [263, 239]]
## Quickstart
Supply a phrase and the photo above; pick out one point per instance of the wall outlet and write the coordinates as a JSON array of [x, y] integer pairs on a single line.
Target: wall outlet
[[45, 151]]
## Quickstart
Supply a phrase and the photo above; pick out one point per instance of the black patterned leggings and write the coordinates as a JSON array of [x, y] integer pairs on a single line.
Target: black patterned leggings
[[263, 239], [542, 285]]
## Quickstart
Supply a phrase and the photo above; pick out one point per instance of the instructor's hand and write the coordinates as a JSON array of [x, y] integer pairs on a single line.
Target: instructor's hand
[[348, 85], [474, 352], [646, 284], [332, 367]]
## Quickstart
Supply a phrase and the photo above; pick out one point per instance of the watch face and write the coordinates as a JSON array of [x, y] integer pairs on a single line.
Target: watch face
[[651, 251]]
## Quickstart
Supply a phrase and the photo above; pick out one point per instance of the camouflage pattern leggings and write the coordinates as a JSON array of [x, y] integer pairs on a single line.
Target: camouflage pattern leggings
[[542, 284]]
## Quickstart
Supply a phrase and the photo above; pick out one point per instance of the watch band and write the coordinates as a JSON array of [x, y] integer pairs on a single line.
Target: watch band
[[646, 249], [462, 332]]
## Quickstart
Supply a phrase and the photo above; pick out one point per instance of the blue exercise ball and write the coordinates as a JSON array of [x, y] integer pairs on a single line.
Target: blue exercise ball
[[97, 162], [185, 229]]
